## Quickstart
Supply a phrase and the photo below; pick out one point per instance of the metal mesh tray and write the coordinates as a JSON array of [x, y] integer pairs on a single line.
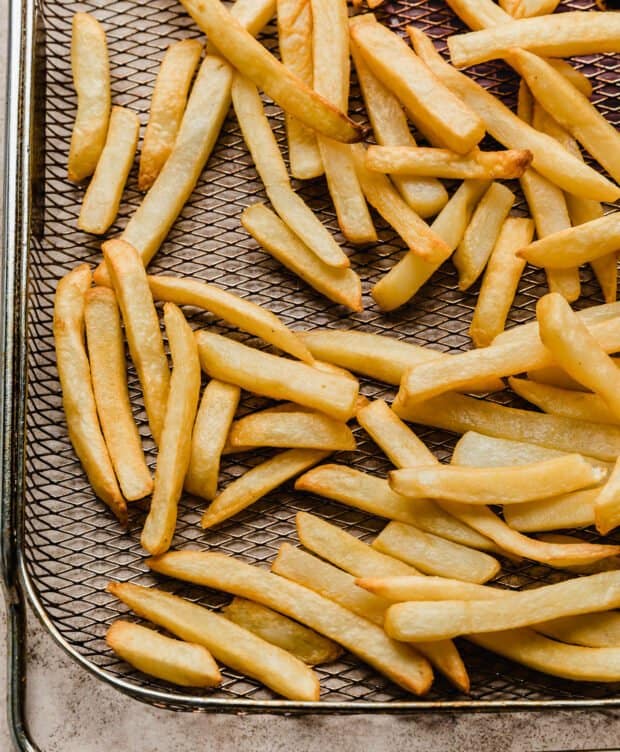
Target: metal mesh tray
[[69, 544]]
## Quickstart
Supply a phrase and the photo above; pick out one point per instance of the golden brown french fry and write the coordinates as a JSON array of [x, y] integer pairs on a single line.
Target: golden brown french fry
[[106, 353], [104, 192], [176, 437], [258, 481], [141, 328], [460, 413], [234, 646], [91, 78], [295, 41], [426, 196], [433, 555], [443, 163], [382, 194], [304, 643], [479, 14], [600, 630], [372, 494], [275, 377], [213, 420], [77, 393], [528, 8], [607, 504], [401, 664], [168, 103], [567, 511], [445, 619], [549, 158], [482, 233], [235, 310], [561, 35], [447, 122], [292, 429], [411, 272], [342, 285], [175, 661], [500, 281], [604, 565], [578, 79], [554, 376], [253, 60], [340, 587]]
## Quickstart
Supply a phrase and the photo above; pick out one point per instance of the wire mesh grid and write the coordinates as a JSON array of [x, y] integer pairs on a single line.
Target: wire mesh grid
[[73, 546]]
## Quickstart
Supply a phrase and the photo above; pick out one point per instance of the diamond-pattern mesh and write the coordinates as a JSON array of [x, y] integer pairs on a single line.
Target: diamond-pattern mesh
[[73, 546]]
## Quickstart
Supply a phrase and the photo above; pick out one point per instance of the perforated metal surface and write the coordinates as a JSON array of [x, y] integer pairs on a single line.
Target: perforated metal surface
[[73, 546]]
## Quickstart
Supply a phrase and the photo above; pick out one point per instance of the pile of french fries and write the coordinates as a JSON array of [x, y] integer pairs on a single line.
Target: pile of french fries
[[399, 602]]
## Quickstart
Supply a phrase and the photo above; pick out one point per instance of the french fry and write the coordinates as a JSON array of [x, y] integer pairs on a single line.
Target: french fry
[[549, 158], [572, 510], [275, 377], [554, 376], [398, 662], [340, 587], [168, 103], [610, 564], [253, 60], [182, 663], [443, 163], [292, 429], [304, 643], [295, 40], [372, 494], [106, 353], [459, 413], [213, 420], [77, 394], [232, 645], [440, 620], [91, 78], [528, 8], [382, 194], [141, 328], [500, 281], [340, 285], [426, 196], [479, 14], [600, 630], [270, 166], [258, 481], [482, 233], [407, 276], [578, 79], [104, 192], [235, 310], [607, 504], [561, 35], [176, 437]]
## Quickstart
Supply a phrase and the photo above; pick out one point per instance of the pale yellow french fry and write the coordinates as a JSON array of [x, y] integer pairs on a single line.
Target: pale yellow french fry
[[560, 35], [604, 565], [258, 481], [340, 587], [234, 646], [578, 79], [372, 494], [600, 630], [573, 510], [78, 399], [292, 429], [443, 163], [253, 60], [342, 285], [549, 158], [500, 281], [176, 437], [460, 413], [411, 272], [445, 619], [607, 504], [168, 103], [554, 376], [175, 661], [528, 8], [106, 352], [438, 113], [270, 166], [366, 640], [146, 346], [479, 14], [426, 196], [104, 192], [235, 310], [213, 420], [482, 233], [91, 78], [304, 643], [295, 41]]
